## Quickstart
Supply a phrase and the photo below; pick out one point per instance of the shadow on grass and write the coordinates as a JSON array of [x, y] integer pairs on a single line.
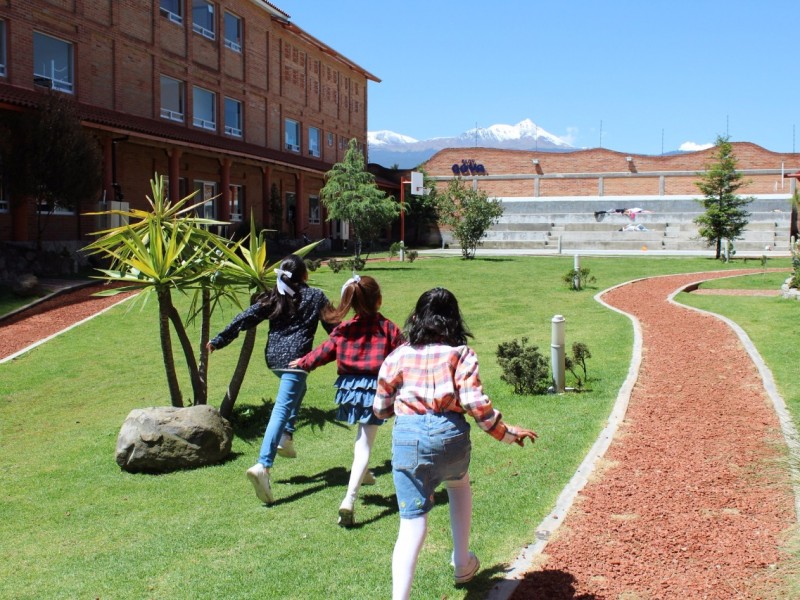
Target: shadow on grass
[[249, 422]]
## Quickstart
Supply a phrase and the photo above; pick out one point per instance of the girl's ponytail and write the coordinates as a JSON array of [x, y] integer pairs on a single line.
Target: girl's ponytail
[[362, 294], [284, 297]]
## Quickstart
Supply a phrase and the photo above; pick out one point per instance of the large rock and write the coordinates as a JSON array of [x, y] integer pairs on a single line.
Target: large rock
[[164, 438]]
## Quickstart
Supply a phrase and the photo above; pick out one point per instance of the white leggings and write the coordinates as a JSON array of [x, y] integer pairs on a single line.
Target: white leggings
[[361, 452], [412, 534]]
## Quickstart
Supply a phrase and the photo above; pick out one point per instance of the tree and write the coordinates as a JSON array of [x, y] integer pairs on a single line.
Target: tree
[[469, 213], [350, 194], [161, 250], [55, 162], [725, 217]]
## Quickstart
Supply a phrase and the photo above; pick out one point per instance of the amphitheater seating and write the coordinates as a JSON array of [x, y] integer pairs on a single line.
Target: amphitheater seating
[[575, 224]]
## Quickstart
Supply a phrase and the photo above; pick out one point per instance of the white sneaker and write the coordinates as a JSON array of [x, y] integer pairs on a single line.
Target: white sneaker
[[286, 447], [466, 575], [368, 478], [258, 475]]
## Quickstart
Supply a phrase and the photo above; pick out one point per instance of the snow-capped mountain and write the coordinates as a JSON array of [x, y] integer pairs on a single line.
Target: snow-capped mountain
[[388, 148]]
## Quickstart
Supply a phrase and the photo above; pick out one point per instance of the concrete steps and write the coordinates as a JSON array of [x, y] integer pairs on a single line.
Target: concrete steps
[[573, 224]]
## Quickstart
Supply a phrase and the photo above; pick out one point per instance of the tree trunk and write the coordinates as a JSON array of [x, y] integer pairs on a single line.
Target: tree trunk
[[164, 306], [205, 327], [198, 388], [232, 393], [719, 247]]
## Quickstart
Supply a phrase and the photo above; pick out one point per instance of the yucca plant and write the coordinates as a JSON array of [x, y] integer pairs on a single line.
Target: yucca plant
[[245, 265], [157, 252]]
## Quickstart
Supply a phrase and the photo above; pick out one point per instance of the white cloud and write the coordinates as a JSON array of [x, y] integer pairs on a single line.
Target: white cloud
[[570, 136], [693, 147]]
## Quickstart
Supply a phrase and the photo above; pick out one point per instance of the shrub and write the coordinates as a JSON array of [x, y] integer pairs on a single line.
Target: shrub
[[794, 281], [312, 264], [356, 263], [412, 255], [580, 352], [578, 279], [394, 249], [335, 265], [524, 367]]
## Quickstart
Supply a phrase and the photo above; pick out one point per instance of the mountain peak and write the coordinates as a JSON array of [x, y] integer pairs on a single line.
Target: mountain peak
[[389, 148]]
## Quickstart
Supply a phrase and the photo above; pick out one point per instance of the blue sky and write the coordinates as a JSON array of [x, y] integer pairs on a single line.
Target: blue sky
[[637, 76]]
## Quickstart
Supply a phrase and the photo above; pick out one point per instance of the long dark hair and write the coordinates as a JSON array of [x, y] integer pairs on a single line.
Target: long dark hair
[[278, 304], [437, 320], [362, 294]]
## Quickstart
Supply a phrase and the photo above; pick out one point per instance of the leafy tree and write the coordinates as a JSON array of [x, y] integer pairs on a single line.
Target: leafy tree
[[725, 216], [420, 210], [55, 162], [468, 212], [580, 352], [350, 194]]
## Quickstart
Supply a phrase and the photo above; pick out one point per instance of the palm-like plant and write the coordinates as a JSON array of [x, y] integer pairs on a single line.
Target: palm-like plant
[[156, 252]]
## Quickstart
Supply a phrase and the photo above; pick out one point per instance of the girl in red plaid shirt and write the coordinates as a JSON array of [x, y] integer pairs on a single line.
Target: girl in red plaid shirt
[[358, 346], [429, 385]]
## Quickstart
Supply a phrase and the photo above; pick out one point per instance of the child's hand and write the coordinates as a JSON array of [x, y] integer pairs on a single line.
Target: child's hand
[[523, 434], [210, 347], [293, 363]]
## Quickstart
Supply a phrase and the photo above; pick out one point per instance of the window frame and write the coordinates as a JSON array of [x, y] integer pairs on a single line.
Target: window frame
[[49, 81], [168, 113], [234, 45], [3, 35], [291, 134], [230, 129], [169, 13], [202, 123], [314, 146], [200, 28], [208, 191], [5, 205], [236, 204], [314, 210]]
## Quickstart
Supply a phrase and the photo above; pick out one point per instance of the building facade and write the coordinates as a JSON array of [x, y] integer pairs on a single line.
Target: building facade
[[227, 97]]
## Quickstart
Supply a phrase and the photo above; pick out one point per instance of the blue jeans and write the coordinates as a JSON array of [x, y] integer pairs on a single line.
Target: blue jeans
[[427, 450], [290, 394]]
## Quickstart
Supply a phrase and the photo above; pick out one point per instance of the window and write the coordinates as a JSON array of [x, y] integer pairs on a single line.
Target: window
[[330, 139], [313, 209], [204, 111], [237, 202], [2, 48], [182, 193], [292, 135], [172, 99], [172, 10], [233, 32], [203, 18], [52, 63], [3, 197], [233, 117], [207, 191], [313, 141]]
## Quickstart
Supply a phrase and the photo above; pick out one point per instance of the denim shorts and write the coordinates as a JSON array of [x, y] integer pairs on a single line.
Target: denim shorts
[[427, 450]]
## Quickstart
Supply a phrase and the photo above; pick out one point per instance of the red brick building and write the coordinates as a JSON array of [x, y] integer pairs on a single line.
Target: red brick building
[[225, 96]]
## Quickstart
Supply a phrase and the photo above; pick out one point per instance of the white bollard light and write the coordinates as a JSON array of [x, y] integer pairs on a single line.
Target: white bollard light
[[557, 353], [576, 280]]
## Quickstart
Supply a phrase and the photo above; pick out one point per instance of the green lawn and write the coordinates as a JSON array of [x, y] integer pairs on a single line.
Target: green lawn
[[73, 525]]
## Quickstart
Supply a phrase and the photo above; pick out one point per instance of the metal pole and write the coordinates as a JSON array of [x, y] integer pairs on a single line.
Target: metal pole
[[557, 356], [403, 183], [576, 279]]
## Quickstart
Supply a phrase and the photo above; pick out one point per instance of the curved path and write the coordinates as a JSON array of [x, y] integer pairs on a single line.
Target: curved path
[[694, 495]]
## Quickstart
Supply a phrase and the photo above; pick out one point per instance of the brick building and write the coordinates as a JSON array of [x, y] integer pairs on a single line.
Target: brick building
[[549, 195], [226, 96]]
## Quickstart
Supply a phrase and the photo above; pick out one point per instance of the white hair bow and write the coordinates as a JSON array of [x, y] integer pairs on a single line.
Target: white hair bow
[[283, 287], [354, 279]]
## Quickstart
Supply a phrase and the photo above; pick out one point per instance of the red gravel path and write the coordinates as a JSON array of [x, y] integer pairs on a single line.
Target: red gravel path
[[693, 496], [51, 316]]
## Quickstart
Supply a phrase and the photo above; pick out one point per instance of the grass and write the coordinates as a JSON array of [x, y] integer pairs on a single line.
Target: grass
[[9, 301], [73, 525]]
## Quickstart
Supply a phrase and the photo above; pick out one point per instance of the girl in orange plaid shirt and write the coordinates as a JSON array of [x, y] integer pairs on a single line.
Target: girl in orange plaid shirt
[[429, 384], [358, 346]]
